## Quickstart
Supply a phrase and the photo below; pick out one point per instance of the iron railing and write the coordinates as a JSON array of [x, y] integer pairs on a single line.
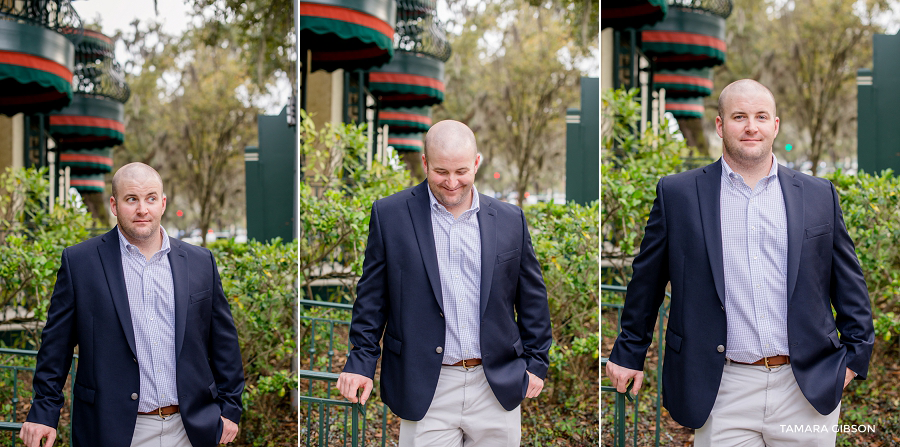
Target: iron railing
[[721, 8], [619, 416], [329, 417], [96, 70], [57, 15], [419, 31], [13, 425]]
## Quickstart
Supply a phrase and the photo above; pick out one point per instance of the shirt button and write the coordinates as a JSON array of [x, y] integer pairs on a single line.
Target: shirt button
[[134, 396], [720, 348], [439, 349]]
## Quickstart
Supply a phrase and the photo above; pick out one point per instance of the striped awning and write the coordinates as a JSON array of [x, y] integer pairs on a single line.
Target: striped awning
[[621, 14], [88, 161], [407, 142], [686, 39], [684, 83], [35, 69], [348, 34], [409, 80], [88, 183], [406, 119], [89, 123], [685, 107]]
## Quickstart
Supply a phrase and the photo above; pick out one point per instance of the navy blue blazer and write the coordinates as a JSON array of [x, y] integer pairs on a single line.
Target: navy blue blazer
[[399, 296], [89, 309], [683, 245]]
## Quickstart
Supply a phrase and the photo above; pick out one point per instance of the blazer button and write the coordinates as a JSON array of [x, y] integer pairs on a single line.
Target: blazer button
[[720, 348], [134, 396], [439, 350], [135, 360]]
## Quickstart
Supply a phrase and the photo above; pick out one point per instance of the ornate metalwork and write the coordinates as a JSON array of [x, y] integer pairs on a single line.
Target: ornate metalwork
[[419, 31], [420, 7], [57, 15], [721, 8], [97, 72]]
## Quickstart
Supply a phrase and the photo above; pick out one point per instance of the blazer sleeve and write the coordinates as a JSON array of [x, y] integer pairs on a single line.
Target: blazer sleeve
[[646, 290], [371, 306], [225, 352], [54, 357], [850, 297], [532, 309]]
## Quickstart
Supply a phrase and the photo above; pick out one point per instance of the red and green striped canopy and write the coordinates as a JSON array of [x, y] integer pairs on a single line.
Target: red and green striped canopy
[[35, 69], [684, 83], [88, 182], [621, 14], [409, 80], [347, 34], [88, 161], [686, 39], [685, 107], [406, 142], [89, 123], [406, 119]]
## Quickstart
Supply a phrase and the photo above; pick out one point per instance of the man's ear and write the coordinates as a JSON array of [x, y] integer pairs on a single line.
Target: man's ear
[[112, 206]]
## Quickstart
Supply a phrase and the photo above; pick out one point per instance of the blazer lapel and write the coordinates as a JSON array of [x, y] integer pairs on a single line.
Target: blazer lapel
[[487, 226], [709, 190], [792, 189], [181, 281], [420, 213], [111, 259]]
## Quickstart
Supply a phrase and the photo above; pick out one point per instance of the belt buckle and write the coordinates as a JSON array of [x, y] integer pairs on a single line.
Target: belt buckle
[[161, 415], [464, 365]]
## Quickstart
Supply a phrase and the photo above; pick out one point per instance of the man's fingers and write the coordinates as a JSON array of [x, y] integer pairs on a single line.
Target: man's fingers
[[51, 438], [367, 390], [638, 381]]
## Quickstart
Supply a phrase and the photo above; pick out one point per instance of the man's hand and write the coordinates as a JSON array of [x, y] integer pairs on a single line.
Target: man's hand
[[848, 377], [535, 385], [620, 376], [229, 431], [349, 383], [32, 433]]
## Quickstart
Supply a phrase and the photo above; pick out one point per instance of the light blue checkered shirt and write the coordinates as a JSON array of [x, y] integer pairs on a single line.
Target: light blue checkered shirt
[[458, 244], [754, 247], [151, 298]]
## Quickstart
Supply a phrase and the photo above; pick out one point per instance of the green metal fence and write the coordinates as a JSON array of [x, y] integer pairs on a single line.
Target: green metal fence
[[10, 374], [323, 343], [619, 411]]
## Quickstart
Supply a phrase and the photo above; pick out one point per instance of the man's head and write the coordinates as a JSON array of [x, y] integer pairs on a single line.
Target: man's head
[[747, 122], [451, 160], [137, 201]]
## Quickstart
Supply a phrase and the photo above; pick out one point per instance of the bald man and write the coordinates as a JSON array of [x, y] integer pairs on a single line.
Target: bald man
[[757, 256], [158, 357], [451, 282]]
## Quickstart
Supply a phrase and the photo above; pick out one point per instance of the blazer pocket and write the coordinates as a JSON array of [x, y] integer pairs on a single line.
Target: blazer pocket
[[518, 347], [200, 296], [213, 390], [818, 230], [84, 393], [673, 341], [392, 343], [835, 340], [508, 256]]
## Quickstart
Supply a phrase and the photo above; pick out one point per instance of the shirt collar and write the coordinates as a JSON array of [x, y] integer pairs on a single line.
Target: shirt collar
[[729, 173], [127, 246], [435, 205]]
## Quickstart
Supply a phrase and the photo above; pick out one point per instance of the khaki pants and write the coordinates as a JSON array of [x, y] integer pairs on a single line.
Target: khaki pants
[[463, 413], [759, 407], [154, 431]]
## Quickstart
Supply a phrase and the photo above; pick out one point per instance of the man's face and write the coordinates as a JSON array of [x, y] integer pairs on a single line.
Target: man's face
[[749, 126], [450, 175], [139, 207]]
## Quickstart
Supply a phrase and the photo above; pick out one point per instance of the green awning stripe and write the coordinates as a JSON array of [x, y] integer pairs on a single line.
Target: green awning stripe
[[344, 31]]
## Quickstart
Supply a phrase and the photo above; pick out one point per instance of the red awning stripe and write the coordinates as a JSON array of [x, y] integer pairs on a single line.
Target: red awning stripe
[[405, 142], [97, 36], [86, 121], [682, 38], [685, 107], [81, 158], [408, 79], [80, 182], [346, 15], [35, 62], [400, 116], [681, 79]]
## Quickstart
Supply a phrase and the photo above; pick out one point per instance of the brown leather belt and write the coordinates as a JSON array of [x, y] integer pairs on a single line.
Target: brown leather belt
[[769, 362], [162, 411], [468, 363]]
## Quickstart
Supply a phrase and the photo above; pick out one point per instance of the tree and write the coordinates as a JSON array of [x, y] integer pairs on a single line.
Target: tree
[[511, 79]]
